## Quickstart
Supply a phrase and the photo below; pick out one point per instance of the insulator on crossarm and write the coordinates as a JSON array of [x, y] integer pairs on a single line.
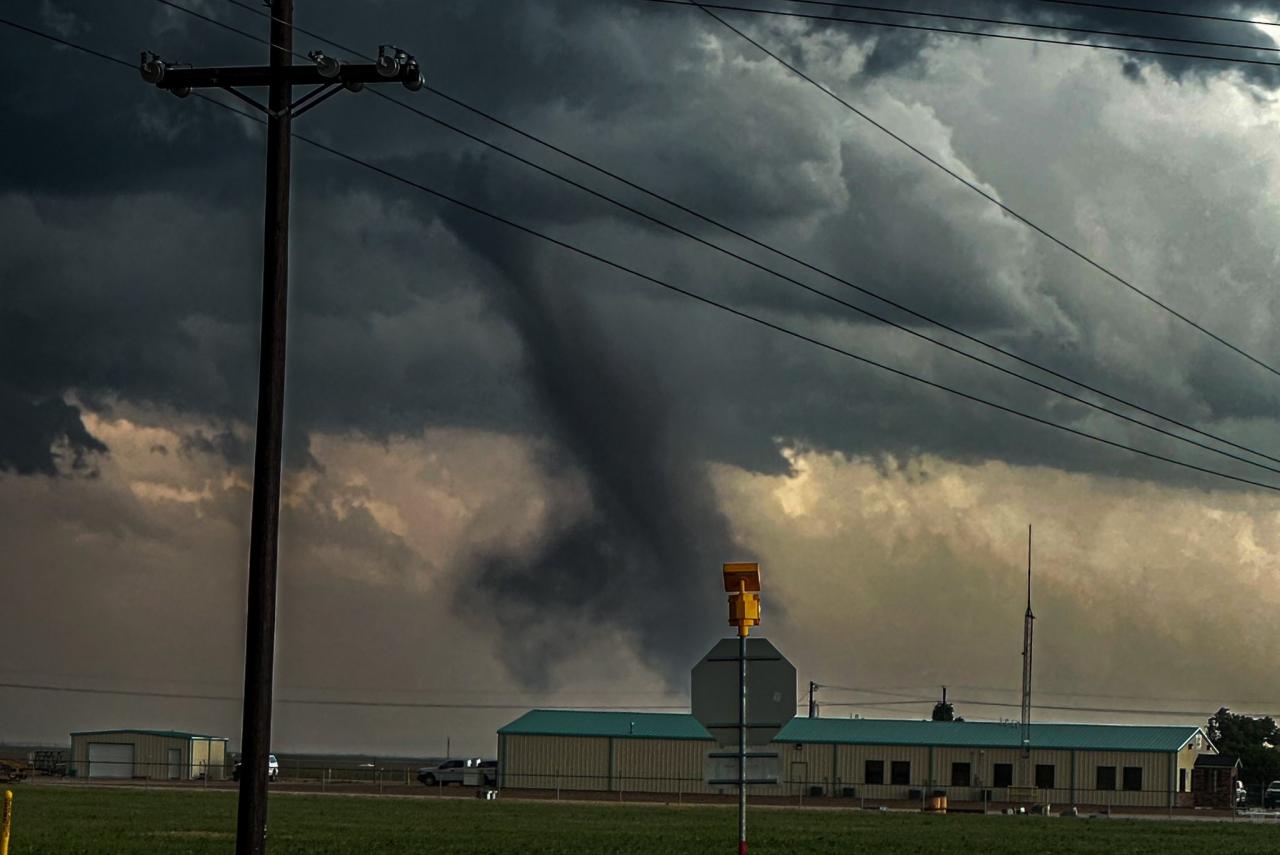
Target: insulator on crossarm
[[412, 75], [328, 66], [388, 63], [152, 67]]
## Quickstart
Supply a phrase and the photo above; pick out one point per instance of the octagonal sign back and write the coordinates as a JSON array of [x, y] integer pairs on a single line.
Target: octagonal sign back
[[771, 691]]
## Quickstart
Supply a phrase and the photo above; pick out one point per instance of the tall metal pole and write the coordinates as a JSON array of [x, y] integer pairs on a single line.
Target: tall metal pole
[[1028, 639], [259, 657], [742, 741]]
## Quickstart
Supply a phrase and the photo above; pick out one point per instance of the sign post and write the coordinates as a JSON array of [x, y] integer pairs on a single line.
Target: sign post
[[743, 714], [744, 613]]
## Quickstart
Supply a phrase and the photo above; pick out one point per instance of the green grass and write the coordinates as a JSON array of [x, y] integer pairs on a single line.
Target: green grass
[[69, 820]]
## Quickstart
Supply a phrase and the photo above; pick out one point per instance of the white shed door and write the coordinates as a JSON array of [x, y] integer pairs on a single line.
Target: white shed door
[[110, 760]]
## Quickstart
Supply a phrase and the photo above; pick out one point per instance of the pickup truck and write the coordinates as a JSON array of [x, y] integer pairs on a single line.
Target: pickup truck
[[444, 773], [472, 771]]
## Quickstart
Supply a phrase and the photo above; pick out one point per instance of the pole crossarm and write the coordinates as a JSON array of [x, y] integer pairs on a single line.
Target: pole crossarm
[[327, 76]]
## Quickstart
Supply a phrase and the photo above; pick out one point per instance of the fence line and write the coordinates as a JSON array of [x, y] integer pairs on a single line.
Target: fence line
[[326, 775]]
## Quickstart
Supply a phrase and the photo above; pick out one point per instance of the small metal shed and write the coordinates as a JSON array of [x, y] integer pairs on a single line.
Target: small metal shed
[[156, 755]]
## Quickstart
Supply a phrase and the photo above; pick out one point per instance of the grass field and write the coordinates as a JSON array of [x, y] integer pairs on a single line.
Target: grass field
[[72, 820]]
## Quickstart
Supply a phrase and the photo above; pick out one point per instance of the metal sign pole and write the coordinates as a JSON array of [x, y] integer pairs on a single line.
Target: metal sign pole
[[742, 742]]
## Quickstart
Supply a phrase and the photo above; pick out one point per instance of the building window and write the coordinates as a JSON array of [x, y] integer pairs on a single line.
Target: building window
[[1044, 776], [874, 772], [900, 773], [960, 775], [1002, 775], [1133, 777], [1106, 777]]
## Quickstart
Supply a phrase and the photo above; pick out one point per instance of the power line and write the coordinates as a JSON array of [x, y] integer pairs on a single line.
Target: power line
[[974, 187], [899, 691], [237, 30], [759, 321], [297, 29], [1111, 696], [817, 292], [1051, 707], [324, 702], [1004, 22], [1164, 12], [793, 258], [812, 267], [976, 33]]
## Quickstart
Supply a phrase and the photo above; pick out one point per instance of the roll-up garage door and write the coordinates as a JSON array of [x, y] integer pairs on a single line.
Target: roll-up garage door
[[110, 760]]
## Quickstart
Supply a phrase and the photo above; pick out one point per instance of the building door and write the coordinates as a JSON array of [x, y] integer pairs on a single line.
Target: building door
[[175, 764], [110, 760], [1182, 780]]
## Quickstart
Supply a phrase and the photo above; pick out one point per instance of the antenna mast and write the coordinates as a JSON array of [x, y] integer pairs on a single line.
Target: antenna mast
[[1027, 633]]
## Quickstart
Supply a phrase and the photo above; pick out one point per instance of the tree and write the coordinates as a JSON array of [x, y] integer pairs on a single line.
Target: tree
[[943, 711], [1254, 740]]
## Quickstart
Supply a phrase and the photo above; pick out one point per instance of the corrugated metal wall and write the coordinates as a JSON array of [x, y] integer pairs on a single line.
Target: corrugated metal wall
[[672, 765], [1155, 778], [150, 752], [660, 765], [548, 762]]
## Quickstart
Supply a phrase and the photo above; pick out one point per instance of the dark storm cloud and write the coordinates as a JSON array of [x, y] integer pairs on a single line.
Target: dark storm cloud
[[628, 84], [134, 226], [32, 429]]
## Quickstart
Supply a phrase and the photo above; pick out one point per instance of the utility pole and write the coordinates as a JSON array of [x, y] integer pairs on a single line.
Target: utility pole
[[813, 707], [328, 76], [1028, 631]]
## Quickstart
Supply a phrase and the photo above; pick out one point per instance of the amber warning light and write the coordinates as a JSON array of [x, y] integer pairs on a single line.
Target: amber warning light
[[742, 583]]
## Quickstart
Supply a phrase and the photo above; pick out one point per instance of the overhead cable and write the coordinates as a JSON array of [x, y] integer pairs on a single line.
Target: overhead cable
[[708, 301], [1138, 10], [832, 276], [326, 702], [984, 34], [974, 187], [1030, 25]]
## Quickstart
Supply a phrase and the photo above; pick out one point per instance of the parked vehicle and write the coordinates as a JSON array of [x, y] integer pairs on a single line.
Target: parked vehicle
[[12, 770], [448, 772], [444, 773], [273, 769], [1271, 796], [490, 770]]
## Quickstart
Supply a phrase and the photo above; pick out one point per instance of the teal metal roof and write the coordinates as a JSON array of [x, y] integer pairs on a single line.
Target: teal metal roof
[[865, 731], [176, 734], [639, 725], [983, 734]]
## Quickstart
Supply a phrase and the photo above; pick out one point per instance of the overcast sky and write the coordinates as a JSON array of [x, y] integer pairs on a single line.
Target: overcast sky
[[513, 472]]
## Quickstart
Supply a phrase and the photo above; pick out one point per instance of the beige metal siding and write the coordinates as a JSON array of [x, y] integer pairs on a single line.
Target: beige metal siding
[[150, 752], [1155, 778], [851, 768], [660, 765], [566, 762]]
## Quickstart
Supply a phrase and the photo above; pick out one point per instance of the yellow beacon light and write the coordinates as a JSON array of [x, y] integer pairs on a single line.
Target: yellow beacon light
[[742, 583]]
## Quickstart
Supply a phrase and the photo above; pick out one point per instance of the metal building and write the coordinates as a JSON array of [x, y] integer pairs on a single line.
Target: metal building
[[873, 759], [148, 754], [611, 751]]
